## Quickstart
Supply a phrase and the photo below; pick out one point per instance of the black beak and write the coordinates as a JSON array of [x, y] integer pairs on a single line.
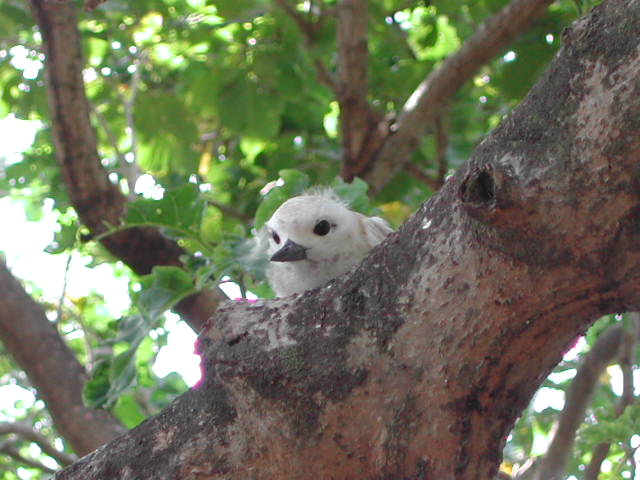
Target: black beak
[[290, 252]]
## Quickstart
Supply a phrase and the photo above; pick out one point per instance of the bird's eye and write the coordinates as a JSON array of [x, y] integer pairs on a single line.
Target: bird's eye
[[276, 237], [322, 228]]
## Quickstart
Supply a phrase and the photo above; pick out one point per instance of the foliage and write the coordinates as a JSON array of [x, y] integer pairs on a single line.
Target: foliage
[[213, 101]]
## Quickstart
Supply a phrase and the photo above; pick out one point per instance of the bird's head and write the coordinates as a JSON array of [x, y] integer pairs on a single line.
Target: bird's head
[[315, 226]]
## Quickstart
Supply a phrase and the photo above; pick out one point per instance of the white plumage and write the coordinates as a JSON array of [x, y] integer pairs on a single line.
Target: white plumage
[[314, 238]]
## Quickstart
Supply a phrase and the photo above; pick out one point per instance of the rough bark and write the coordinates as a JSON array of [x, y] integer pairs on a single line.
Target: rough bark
[[417, 364], [99, 202], [33, 341]]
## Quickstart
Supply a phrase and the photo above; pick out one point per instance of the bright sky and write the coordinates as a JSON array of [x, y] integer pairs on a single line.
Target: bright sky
[[23, 245]]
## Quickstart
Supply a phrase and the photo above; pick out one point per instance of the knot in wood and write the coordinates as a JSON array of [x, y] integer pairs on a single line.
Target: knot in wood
[[479, 187]]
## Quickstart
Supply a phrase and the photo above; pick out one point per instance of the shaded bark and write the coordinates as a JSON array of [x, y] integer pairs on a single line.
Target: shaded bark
[[417, 364], [99, 203], [33, 341]]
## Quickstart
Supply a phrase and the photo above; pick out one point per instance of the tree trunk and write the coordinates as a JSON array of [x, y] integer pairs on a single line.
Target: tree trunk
[[418, 363]]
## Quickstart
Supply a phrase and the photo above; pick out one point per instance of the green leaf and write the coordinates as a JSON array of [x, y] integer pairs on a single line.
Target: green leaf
[[249, 109], [63, 240], [180, 209], [128, 411], [162, 289], [96, 389]]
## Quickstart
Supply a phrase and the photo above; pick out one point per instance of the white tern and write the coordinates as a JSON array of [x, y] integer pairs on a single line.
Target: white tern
[[314, 238]]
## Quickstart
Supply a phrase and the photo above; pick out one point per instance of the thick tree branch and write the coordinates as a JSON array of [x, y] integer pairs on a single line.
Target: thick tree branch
[[30, 337], [417, 364], [362, 131], [27, 432], [424, 104], [98, 202]]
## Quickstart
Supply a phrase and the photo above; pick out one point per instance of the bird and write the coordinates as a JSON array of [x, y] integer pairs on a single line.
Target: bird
[[314, 238]]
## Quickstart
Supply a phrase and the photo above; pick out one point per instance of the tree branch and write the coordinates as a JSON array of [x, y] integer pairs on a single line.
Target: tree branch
[[29, 337], [309, 32], [28, 433], [12, 452], [578, 398], [357, 119], [98, 202], [627, 352], [425, 178], [416, 364], [424, 104], [442, 142]]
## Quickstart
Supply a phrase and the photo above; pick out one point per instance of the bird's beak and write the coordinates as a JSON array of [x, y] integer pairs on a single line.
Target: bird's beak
[[290, 252]]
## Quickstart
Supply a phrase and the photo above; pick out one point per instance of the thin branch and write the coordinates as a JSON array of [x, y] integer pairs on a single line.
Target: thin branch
[[578, 397], [442, 143], [113, 141], [63, 293], [227, 210], [356, 115], [91, 5], [422, 107], [9, 450], [421, 175], [130, 101], [601, 451], [25, 431], [306, 27], [309, 31]]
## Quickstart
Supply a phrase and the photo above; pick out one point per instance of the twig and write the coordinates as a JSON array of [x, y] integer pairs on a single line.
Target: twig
[[91, 5], [601, 451], [65, 282], [306, 27], [309, 31], [416, 172], [26, 432], [578, 396], [442, 143]]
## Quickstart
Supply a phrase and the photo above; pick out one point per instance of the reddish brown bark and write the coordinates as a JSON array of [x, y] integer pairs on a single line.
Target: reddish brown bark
[[418, 363], [99, 203]]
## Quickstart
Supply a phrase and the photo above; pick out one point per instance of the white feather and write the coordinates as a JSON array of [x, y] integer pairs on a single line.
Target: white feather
[[350, 238]]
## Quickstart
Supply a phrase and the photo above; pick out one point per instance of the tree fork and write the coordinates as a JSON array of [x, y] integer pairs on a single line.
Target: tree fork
[[418, 363]]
